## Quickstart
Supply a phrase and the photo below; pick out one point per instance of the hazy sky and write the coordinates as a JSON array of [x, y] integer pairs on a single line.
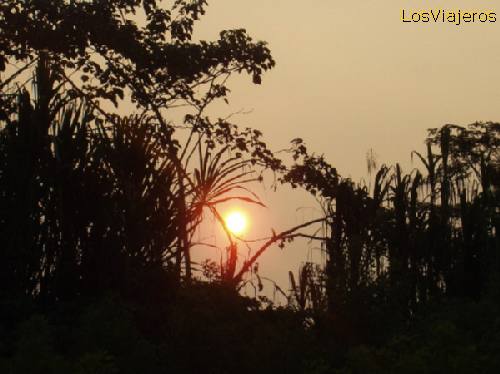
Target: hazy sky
[[351, 76]]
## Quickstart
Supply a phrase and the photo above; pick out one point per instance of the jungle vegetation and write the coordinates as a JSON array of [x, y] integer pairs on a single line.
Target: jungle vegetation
[[98, 211]]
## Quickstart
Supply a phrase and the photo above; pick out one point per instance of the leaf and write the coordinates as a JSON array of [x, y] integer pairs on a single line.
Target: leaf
[[256, 79]]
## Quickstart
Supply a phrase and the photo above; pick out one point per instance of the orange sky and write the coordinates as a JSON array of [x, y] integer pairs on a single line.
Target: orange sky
[[351, 76]]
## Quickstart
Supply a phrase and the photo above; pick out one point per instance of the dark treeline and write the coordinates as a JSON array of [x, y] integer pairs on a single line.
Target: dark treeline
[[407, 240], [98, 215]]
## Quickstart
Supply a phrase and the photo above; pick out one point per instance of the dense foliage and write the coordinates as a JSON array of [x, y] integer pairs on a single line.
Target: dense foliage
[[98, 212]]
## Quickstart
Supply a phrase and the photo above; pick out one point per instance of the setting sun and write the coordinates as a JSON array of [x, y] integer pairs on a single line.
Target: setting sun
[[236, 222]]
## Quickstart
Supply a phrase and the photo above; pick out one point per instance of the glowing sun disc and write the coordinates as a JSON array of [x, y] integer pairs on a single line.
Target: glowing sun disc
[[236, 222]]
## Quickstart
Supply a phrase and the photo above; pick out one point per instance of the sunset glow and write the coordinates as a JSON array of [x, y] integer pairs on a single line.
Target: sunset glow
[[236, 222]]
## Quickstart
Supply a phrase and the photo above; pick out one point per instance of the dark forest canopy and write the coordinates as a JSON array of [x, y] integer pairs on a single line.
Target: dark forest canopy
[[87, 52], [98, 212], [157, 61]]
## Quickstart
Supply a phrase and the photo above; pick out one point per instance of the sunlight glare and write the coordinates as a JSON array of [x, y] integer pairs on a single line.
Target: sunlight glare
[[236, 222]]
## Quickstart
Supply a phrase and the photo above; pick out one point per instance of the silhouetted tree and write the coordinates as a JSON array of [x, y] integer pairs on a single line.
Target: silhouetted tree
[[416, 237]]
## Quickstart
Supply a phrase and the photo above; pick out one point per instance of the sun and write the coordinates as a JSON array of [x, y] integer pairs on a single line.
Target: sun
[[236, 222]]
